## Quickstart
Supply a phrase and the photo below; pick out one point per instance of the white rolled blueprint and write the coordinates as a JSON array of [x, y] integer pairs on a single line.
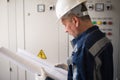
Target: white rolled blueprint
[[31, 63]]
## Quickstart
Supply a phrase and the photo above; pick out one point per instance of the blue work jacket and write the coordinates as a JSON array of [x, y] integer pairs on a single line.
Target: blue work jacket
[[82, 64]]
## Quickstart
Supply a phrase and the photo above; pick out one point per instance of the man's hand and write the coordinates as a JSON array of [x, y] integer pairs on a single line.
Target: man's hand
[[42, 75], [63, 66]]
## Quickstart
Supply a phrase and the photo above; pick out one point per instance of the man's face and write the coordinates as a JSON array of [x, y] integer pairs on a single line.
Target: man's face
[[70, 27]]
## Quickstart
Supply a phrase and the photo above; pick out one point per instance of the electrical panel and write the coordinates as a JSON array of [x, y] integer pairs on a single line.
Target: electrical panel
[[37, 29]]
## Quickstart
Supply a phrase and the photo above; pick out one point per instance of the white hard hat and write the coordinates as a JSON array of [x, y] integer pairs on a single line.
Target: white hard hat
[[64, 6]]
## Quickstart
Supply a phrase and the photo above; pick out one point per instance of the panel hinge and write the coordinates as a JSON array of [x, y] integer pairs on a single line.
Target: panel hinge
[[10, 69]]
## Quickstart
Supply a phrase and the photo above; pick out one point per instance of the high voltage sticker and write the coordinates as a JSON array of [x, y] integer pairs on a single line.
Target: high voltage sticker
[[41, 55]]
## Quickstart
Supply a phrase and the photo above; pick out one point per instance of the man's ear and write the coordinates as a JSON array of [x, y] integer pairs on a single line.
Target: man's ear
[[76, 21]]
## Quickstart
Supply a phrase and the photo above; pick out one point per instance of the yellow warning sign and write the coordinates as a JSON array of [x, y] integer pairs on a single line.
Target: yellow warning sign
[[41, 55]]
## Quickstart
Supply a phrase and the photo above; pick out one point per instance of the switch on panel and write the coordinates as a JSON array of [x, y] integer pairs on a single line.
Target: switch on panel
[[108, 7], [90, 7], [51, 7]]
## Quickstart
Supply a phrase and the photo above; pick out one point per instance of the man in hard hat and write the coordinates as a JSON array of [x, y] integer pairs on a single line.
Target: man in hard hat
[[92, 56]]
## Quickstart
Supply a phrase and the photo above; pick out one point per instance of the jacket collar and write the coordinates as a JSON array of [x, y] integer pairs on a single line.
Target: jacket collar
[[81, 36]]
